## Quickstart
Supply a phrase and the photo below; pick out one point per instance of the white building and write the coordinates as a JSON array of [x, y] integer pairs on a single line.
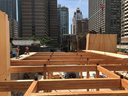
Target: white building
[[124, 21], [77, 16]]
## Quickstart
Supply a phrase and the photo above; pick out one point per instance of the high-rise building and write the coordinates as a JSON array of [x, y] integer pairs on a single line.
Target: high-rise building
[[81, 26], [107, 19], [13, 27], [39, 18], [77, 16], [20, 17], [124, 21], [9, 7], [63, 22]]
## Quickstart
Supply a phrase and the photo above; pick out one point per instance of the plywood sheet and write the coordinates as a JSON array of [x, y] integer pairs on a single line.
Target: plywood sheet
[[102, 42], [4, 50]]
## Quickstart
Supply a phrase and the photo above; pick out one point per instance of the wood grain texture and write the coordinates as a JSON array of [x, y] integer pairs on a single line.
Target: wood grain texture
[[95, 93], [32, 89], [107, 72]]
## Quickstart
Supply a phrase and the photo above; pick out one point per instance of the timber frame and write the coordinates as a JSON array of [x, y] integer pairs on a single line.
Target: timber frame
[[89, 60]]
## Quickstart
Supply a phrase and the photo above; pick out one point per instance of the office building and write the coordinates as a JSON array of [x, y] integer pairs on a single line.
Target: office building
[[13, 27], [81, 26], [9, 7], [77, 16], [107, 19], [39, 19], [124, 21], [63, 22]]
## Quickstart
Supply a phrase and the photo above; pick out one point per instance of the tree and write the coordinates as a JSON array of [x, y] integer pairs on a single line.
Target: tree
[[45, 40], [33, 38]]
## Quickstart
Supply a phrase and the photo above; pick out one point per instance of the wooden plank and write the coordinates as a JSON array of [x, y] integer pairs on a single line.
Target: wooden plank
[[108, 54], [116, 67], [32, 89], [107, 72], [4, 50], [28, 62], [50, 84], [15, 85], [61, 62], [97, 76], [25, 69], [37, 58], [66, 57], [124, 83], [104, 42], [62, 84], [94, 93]]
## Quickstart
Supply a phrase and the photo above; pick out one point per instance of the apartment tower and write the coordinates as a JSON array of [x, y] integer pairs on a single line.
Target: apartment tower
[[124, 21], [63, 22], [39, 19], [107, 19]]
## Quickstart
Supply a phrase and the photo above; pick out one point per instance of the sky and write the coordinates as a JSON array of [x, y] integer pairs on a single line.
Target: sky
[[72, 5]]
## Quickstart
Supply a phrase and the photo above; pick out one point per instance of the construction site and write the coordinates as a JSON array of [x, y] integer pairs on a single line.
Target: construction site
[[99, 70]]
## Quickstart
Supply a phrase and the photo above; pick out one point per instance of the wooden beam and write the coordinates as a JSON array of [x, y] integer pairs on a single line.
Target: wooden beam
[[75, 68], [116, 67], [4, 50], [94, 93], [97, 76], [15, 85], [108, 54], [62, 84], [50, 84], [60, 62], [25, 69], [32, 89], [107, 72], [124, 83], [28, 62]]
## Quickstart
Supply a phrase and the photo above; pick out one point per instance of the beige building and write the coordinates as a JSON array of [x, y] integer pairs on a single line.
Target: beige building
[[124, 21], [81, 26], [13, 27]]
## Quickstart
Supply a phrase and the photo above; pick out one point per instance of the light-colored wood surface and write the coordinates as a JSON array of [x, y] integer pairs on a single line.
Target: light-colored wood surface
[[94, 93], [78, 84], [32, 89], [107, 72], [124, 83], [66, 68], [65, 62], [108, 54], [102, 42], [4, 50], [54, 84]]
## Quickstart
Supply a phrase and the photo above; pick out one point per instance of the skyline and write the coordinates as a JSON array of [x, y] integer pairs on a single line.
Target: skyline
[[72, 5]]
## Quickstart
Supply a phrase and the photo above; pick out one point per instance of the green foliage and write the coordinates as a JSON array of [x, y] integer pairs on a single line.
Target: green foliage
[[45, 40], [105, 33], [33, 38], [122, 50]]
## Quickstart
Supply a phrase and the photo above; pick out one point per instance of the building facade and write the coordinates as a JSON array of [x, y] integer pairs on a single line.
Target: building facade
[[77, 16], [124, 21], [13, 27], [107, 19], [9, 7], [63, 22], [39, 19], [81, 26]]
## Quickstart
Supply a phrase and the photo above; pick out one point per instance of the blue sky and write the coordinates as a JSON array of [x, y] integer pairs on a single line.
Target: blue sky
[[72, 5]]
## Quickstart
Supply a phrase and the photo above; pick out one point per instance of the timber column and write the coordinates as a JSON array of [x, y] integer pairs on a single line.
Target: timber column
[[4, 50]]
